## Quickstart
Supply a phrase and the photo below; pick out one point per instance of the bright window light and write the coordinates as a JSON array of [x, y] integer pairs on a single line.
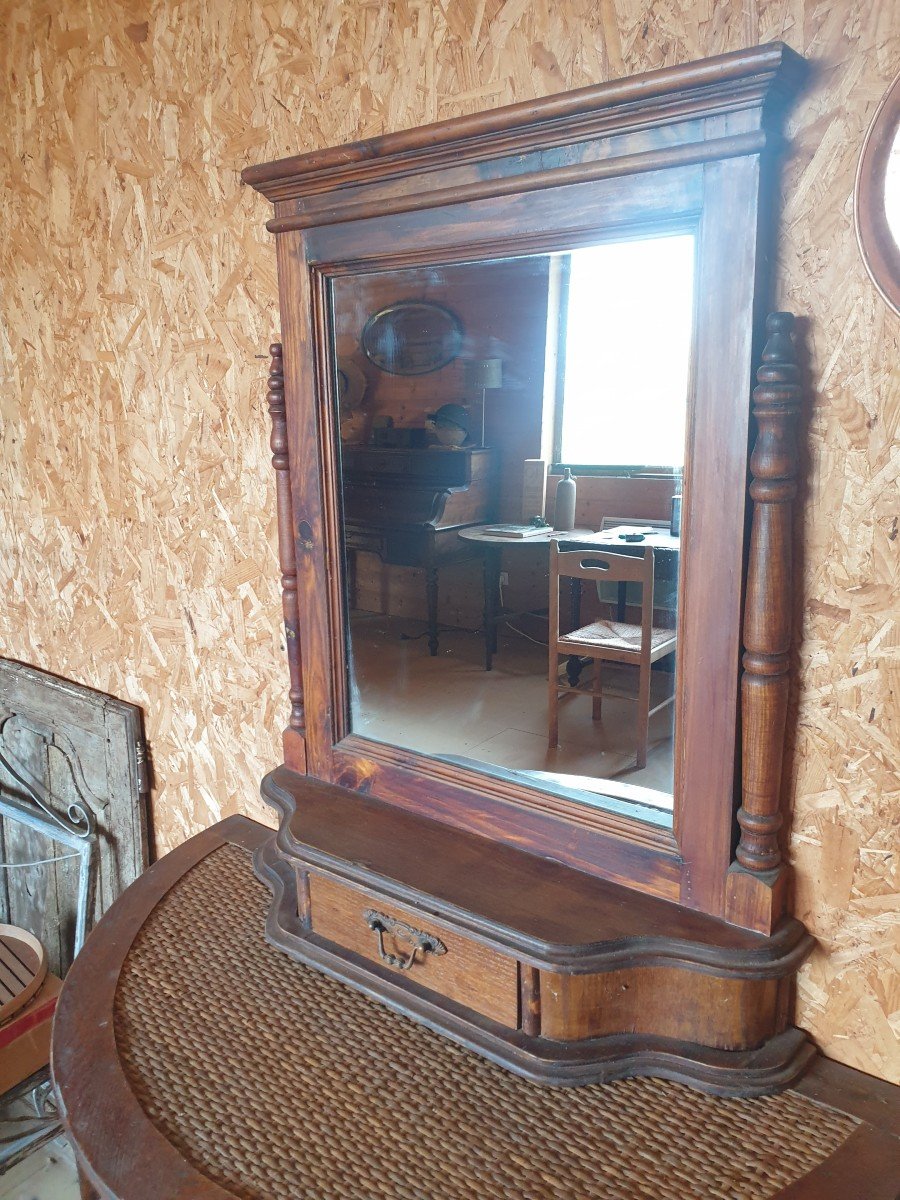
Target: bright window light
[[627, 353]]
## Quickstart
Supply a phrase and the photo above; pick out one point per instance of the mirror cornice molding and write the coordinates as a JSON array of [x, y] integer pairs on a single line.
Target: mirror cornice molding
[[754, 82]]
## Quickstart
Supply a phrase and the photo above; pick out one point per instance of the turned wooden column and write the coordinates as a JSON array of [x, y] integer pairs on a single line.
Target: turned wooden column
[[757, 879], [294, 735]]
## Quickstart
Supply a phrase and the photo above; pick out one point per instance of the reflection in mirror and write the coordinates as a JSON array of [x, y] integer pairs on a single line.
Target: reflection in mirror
[[511, 516]]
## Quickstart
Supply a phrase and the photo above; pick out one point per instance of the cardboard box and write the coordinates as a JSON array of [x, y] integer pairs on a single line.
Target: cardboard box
[[25, 1040], [534, 487]]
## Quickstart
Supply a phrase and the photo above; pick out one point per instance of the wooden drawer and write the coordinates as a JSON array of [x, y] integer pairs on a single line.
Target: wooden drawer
[[465, 971]]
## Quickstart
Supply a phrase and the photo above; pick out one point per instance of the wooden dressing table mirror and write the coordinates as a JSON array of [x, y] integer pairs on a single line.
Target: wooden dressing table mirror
[[604, 254]]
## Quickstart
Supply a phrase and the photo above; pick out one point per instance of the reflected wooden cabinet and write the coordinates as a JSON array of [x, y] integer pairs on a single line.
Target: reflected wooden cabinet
[[551, 929], [407, 506]]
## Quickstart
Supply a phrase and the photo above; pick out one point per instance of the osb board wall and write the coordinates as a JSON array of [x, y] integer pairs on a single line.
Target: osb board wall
[[138, 284]]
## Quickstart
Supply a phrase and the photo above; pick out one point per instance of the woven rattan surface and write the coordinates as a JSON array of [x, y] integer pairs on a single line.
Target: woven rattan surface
[[276, 1081], [617, 635]]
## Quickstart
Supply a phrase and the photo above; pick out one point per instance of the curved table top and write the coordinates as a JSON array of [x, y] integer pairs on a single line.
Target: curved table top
[[120, 1151], [193, 1060]]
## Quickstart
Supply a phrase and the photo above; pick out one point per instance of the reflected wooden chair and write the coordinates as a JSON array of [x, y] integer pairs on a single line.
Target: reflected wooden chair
[[607, 640]]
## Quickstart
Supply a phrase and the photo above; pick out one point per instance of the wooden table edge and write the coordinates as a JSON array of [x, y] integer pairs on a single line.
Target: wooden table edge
[[869, 1158], [119, 1151], [835, 1085], [144, 1165]]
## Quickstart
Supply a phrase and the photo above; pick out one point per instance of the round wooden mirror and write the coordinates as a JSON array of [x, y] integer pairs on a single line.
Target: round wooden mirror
[[878, 198]]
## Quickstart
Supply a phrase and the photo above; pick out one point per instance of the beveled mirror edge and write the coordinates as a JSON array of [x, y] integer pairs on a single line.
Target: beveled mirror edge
[[763, 63]]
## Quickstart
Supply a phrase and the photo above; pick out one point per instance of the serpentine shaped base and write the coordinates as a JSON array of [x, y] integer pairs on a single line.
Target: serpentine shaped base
[[710, 1014]]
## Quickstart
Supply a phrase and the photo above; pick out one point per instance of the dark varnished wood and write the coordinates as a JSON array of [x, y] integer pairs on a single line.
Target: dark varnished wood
[[551, 173], [609, 982], [756, 882], [653, 1001], [294, 735], [657, 159], [874, 1101], [568, 890], [468, 971], [85, 1190], [97, 1103], [409, 505], [866, 1165], [741, 80], [560, 918], [755, 1070]]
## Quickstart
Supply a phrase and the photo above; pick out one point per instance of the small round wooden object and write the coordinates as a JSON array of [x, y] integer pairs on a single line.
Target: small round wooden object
[[23, 967]]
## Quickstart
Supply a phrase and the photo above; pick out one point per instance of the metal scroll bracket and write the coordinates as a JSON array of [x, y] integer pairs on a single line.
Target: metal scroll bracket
[[404, 935], [76, 829]]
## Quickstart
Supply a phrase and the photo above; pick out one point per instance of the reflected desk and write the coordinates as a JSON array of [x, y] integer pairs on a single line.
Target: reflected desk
[[492, 547], [666, 545]]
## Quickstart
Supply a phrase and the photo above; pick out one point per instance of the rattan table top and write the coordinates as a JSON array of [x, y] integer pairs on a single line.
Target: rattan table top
[[275, 1081]]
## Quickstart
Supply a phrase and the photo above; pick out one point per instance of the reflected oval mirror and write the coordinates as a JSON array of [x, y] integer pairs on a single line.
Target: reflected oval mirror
[[412, 337]]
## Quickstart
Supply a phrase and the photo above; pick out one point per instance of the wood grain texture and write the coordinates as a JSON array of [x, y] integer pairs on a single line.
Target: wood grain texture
[[868, 1155], [168, 1157], [769, 1067], [469, 973], [139, 286], [756, 892], [733, 1014], [84, 1038]]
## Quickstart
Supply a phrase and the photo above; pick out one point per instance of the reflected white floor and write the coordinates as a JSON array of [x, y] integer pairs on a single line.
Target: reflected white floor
[[450, 705]]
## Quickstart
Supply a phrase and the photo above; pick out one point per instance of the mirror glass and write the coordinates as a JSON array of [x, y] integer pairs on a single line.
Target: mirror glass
[[511, 511]]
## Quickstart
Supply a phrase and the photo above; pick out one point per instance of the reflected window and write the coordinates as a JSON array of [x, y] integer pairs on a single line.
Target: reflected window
[[621, 394]]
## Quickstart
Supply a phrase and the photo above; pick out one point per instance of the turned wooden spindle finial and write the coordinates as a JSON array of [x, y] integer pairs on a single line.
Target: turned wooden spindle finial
[[768, 607], [286, 553]]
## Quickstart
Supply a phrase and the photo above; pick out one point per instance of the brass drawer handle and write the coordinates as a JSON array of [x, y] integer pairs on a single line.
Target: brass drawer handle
[[381, 924]]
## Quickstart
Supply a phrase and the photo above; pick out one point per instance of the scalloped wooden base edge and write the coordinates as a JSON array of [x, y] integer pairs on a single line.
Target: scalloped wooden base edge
[[771, 1067]]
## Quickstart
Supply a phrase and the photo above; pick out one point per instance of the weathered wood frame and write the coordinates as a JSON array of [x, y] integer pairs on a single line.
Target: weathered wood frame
[[686, 147], [81, 760]]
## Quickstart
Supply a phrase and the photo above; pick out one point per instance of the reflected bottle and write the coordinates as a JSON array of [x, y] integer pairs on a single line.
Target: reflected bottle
[[564, 509]]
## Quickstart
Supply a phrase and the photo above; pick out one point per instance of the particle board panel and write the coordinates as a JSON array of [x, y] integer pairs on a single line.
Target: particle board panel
[[137, 287]]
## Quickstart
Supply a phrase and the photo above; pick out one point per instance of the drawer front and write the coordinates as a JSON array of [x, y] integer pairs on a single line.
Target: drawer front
[[464, 971]]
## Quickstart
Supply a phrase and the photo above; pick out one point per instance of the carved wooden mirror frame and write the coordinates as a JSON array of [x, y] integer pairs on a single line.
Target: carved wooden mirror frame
[[687, 145]]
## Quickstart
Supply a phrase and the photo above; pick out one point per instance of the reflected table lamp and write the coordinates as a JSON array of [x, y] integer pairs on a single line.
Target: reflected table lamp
[[484, 375]]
